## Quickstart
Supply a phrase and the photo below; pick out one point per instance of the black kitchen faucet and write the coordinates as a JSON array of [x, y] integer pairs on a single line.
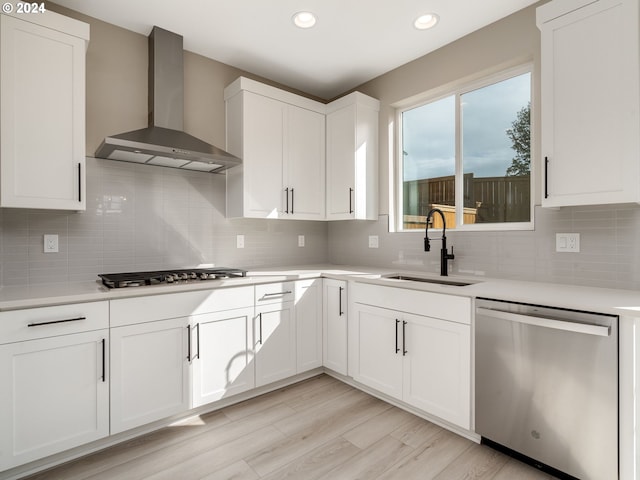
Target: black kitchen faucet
[[444, 255]]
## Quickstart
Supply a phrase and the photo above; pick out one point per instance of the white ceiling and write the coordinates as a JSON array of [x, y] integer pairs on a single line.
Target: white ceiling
[[352, 42]]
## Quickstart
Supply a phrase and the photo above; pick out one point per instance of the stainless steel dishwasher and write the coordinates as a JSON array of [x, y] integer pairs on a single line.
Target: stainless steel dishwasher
[[547, 386]]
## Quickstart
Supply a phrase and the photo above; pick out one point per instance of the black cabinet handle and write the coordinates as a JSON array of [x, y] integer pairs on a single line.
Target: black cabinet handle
[[286, 194], [260, 328], [189, 343], [104, 360], [397, 322], [79, 182], [350, 201], [404, 337], [56, 321], [340, 312], [292, 201], [198, 340], [277, 294], [546, 177]]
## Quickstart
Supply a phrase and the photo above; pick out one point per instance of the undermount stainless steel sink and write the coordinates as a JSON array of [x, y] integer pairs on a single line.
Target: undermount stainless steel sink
[[411, 278]]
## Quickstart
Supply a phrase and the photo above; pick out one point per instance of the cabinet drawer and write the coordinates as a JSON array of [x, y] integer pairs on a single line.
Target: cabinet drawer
[[430, 304], [274, 293], [129, 311], [33, 323]]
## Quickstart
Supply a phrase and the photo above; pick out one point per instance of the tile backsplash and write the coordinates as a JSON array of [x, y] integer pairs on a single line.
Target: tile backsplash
[[609, 248], [142, 217]]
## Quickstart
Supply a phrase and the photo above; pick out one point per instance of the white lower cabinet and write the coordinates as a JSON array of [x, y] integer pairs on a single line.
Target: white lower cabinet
[[275, 332], [379, 357], [334, 319], [419, 359], [176, 351], [308, 310], [149, 372], [54, 372], [436, 373], [223, 356], [275, 343]]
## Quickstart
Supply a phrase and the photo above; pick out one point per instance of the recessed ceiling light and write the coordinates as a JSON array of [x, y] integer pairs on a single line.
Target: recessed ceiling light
[[426, 21], [304, 19]]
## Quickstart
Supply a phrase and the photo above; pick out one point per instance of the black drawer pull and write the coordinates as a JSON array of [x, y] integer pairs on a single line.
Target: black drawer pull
[[340, 312], [40, 324]]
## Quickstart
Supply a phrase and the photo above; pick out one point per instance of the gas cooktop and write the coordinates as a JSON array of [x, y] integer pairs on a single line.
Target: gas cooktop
[[139, 279]]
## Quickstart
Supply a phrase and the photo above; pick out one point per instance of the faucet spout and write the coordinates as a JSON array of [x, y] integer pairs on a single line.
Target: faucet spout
[[445, 256]]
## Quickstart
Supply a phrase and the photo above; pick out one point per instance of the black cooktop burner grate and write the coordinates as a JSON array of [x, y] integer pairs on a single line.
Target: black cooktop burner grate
[[138, 279]]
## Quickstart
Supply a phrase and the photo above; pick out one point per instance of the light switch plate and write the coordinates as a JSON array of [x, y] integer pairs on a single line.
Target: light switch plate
[[239, 241], [301, 240], [373, 241], [51, 244], [568, 242]]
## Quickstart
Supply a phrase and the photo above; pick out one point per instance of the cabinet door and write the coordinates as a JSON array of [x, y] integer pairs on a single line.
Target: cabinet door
[[304, 173], [149, 372], [54, 395], [223, 355], [335, 325], [590, 100], [308, 310], [341, 150], [275, 340], [42, 122], [263, 151], [378, 356], [437, 368]]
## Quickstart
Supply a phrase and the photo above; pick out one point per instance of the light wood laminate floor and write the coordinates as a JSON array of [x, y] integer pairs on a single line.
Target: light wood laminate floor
[[320, 428]]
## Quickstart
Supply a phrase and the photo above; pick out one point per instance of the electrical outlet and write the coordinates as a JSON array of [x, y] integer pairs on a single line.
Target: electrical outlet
[[301, 240], [568, 242], [51, 244], [373, 241], [239, 241]]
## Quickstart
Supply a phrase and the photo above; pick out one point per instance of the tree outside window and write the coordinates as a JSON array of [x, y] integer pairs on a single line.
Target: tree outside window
[[486, 180]]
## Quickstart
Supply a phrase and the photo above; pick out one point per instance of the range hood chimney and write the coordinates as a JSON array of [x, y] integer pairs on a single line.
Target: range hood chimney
[[164, 142]]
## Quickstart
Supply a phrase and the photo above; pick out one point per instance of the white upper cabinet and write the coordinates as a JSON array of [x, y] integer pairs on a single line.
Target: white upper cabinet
[[280, 138], [590, 102], [304, 172], [42, 125], [301, 159], [352, 158]]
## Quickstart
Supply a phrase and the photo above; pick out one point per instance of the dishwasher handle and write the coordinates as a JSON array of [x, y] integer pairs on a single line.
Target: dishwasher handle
[[589, 329]]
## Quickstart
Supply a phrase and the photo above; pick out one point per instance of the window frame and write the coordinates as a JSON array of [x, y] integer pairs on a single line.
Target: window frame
[[457, 89]]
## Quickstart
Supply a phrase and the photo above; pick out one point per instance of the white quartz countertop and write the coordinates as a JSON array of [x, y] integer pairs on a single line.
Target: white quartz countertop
[[604, 300]]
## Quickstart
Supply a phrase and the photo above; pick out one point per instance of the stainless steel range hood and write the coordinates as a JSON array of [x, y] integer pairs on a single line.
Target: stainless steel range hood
[[164, 142]]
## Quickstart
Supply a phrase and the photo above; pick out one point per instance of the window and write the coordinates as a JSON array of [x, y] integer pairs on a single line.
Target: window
[[468, 154]]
